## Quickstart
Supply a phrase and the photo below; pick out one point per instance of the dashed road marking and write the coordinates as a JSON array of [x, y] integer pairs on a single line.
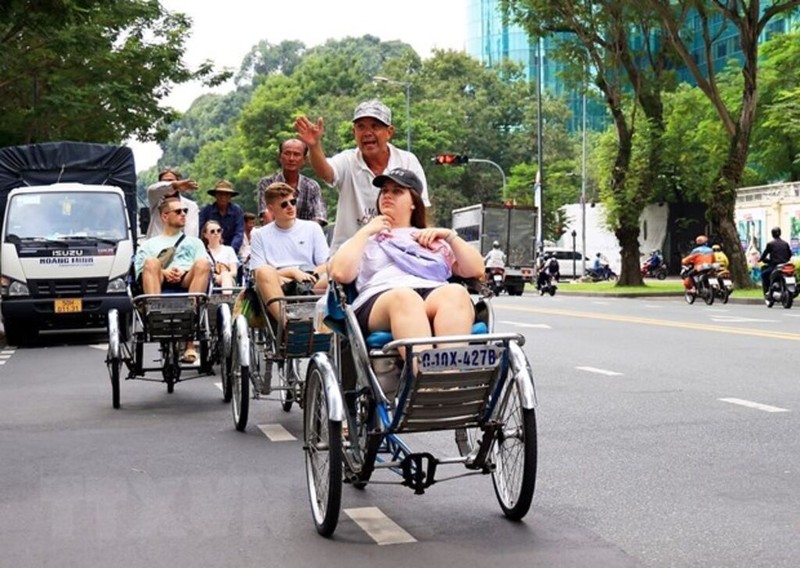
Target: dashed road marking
[[100, 346], [5, 355], [218, 385], [378, 526], [755, 405], [736, 319], [276, 433], [599, 371], [530, 325]]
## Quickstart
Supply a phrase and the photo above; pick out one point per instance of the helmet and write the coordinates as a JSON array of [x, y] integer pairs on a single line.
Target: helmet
[[701, 240], [598, 255], [716, 248], [496, 244], [776, 232]]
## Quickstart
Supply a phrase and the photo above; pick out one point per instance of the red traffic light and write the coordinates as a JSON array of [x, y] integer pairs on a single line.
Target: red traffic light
[[450, 159]]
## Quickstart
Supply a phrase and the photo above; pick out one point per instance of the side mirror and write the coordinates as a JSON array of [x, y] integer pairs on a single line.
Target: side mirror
[[144, 220]]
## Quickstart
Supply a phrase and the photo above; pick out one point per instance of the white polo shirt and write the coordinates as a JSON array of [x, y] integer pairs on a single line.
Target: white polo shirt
[[358, 198]]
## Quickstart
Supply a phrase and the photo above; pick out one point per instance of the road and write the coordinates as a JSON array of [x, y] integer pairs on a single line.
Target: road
[[668, 436]]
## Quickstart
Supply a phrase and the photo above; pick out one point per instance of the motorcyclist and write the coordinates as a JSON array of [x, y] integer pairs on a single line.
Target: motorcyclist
[[600, 266], [547, 269], [720, 258], [495, 258], [701, 255], [776, 252]]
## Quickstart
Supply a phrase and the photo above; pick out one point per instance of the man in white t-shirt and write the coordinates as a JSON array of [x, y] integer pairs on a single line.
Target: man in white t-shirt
[[170, 184], [288, 250], [351, 171]]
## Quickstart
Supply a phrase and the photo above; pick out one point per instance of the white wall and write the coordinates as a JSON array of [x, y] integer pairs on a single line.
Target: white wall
[[653, 231]]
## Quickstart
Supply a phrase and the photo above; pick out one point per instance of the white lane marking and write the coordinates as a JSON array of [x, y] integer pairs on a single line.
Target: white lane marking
[[2, 362], [791, 315], [530, 325], [276, 433], [8, 351], [378, 526], [756, 405], [4, 356], [599, 303], [218, 385], [599, 371], [737, 319], [100, 346], [651, 306]]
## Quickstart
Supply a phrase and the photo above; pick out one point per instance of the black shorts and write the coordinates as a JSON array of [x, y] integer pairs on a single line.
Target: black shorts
[[169, 286], [365, 309]]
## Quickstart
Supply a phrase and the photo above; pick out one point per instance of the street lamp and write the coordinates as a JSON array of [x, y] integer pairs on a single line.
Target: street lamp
[[496, 165], [408, 104]]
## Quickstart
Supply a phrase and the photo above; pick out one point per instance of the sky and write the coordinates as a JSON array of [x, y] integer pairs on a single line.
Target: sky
[[224, 32]]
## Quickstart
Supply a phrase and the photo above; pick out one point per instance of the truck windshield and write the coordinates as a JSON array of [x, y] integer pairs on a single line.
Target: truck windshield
[[61, 215]]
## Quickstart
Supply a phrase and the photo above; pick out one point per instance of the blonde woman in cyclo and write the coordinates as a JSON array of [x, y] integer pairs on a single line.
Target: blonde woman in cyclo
[[407, 294], [225, 261]]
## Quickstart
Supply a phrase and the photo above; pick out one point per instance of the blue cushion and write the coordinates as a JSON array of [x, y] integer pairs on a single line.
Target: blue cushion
[[378, 339]]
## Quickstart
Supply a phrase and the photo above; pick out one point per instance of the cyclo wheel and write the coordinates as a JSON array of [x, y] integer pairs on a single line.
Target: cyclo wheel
[[223, 355], [113, 359], [514, 454], [289, 373], [239, 376], [323, 445]]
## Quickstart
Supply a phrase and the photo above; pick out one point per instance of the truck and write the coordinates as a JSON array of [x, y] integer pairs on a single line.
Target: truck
[[68, 233], [513, 226]]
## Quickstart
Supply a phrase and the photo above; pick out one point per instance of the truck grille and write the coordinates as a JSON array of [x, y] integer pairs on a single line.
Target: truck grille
[[67, 288]]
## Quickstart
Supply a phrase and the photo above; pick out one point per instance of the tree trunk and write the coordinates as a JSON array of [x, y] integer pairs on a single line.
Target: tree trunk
[[630, 274]]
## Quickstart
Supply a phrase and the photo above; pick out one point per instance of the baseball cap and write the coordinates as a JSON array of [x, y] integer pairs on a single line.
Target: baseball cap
[[374, 109], [401, 177]]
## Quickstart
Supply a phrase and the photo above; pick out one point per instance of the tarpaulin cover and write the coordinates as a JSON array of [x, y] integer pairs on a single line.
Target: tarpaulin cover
[[75, 162]]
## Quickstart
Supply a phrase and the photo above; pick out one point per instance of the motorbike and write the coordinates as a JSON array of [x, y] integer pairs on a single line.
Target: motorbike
[[705, 282], [600, 274], [782, 286], [655, 266], [495, 276], [546, 285], [724, 286]]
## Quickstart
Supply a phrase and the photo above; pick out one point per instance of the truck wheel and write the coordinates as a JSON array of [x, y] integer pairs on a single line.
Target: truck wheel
[[20, 333]]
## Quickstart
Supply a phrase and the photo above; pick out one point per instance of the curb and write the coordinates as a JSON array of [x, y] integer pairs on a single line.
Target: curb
[[654, 295]]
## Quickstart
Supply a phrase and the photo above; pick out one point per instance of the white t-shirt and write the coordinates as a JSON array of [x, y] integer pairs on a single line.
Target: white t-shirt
[[378, 272], [495, 259], [226, 255], [155, 193], [302, 244], [358, 198]]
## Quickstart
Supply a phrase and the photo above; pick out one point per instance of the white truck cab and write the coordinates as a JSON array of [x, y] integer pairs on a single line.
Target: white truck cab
[[65, 249]]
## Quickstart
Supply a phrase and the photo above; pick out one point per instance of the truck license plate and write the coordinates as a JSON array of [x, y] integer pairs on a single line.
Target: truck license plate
[[460, 358], [69, 306]]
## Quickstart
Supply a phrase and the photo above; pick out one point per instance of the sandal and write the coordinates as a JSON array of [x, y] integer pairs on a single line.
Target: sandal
[[189, 356]]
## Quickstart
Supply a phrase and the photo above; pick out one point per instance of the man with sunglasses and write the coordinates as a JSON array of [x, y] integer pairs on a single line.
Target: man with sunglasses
[[288, 251], [189, 269]]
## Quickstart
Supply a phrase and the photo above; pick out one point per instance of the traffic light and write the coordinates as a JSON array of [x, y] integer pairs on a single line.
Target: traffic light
[[450, 160]]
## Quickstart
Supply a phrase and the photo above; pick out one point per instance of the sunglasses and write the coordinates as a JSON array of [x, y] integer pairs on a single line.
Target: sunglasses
[[215, 231], [285, 204], [180, 211]]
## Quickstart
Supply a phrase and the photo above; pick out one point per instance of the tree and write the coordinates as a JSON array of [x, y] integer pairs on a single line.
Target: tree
[[738, 119], [90, 70], [614, 43]]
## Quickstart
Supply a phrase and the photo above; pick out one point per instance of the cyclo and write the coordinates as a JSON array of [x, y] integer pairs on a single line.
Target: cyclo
[[360, 397], [266, 354], [170, 320]]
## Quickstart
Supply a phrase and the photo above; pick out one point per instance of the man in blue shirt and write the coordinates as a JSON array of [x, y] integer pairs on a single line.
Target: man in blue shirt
[[229, 215]]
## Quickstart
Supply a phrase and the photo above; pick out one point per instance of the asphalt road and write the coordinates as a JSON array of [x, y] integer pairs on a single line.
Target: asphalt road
[[668, 436]]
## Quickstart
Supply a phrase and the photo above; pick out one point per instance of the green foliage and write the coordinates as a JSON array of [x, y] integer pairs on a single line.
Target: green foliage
[[457, 105], [90, 70]]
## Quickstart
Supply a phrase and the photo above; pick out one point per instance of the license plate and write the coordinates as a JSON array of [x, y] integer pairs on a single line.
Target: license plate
[[459, 358], [173, 305], [69, 306], [790, 279], [727, 283]]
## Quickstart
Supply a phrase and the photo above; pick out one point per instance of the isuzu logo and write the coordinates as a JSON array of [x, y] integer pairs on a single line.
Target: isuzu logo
[[72, 252]]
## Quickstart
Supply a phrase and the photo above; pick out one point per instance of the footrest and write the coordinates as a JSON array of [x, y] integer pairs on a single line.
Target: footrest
[[419, 471]]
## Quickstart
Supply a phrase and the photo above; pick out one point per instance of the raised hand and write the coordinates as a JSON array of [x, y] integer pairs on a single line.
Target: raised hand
[[309, 132]]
